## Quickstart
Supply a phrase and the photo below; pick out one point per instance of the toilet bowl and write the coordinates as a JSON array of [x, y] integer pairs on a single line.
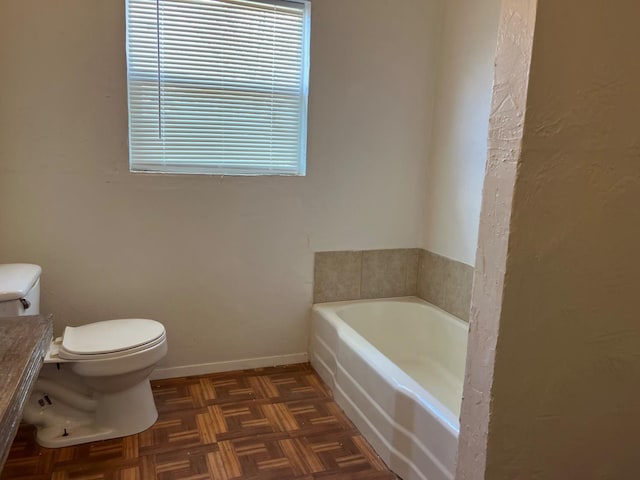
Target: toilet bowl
[[94, 384]]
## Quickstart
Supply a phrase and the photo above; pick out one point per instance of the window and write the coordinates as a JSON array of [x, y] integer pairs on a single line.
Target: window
[[218, 86]]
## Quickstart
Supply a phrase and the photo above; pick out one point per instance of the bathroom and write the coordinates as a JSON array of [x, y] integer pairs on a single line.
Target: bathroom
[[399, 104], [191, 250]]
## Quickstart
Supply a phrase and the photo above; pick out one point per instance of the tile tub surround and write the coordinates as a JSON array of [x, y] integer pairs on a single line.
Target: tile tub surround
[[337, 276], [365, 274], [445, 283], [358, 275]]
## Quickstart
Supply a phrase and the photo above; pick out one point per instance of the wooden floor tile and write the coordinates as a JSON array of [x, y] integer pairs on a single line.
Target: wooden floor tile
[[276, 423]]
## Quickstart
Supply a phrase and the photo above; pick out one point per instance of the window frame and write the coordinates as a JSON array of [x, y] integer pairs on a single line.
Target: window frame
[[212, 167]]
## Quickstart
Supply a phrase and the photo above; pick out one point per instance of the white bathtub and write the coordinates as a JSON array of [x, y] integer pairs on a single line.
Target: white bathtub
[[396, 367]]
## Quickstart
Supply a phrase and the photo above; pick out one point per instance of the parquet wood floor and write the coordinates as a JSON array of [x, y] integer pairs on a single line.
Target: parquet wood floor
[[276, 423]]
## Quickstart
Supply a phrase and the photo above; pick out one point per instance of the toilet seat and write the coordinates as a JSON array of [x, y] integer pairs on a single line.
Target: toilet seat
[[65, 355], [110, 338]]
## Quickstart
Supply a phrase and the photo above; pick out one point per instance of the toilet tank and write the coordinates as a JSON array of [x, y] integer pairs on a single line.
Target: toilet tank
[[19, 289]]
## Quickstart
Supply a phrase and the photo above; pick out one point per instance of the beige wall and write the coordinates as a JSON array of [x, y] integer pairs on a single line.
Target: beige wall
[[508, 105], [225, 263], [564, 400], [459, 137]]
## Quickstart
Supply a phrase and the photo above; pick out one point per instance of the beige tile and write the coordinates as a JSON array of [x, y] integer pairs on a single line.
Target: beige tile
[[337, 276], [413, 264], [446, 283], [458, 292], [389, 273], [431, 281]]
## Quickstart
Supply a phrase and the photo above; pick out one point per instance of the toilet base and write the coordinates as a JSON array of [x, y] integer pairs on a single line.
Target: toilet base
[[64, 417]]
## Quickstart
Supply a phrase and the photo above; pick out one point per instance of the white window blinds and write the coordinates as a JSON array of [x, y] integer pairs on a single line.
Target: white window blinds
[[218, 86]]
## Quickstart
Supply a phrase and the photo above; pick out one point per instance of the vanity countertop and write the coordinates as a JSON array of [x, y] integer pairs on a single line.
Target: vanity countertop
[[23, 344]]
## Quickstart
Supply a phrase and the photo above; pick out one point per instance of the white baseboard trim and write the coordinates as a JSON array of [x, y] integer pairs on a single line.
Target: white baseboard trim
[[228, 365]]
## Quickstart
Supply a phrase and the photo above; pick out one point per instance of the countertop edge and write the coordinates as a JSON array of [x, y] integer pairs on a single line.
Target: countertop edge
[[21, 374]]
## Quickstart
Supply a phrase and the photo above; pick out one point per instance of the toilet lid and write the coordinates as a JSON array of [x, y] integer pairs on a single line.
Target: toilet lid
[[111, 336]]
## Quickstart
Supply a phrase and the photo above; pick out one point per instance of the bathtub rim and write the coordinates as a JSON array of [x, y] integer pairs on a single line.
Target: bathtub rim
[[398, 379]]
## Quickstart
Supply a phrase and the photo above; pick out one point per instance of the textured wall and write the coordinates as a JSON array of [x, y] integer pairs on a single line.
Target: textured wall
[[513, 57], [225, 263], [564, 401]]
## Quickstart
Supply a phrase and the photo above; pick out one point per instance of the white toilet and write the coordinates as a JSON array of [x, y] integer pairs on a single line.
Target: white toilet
[[95, 381]]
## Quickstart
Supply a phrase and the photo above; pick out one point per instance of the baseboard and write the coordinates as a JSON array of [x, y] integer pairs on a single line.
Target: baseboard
[[229, 365]]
